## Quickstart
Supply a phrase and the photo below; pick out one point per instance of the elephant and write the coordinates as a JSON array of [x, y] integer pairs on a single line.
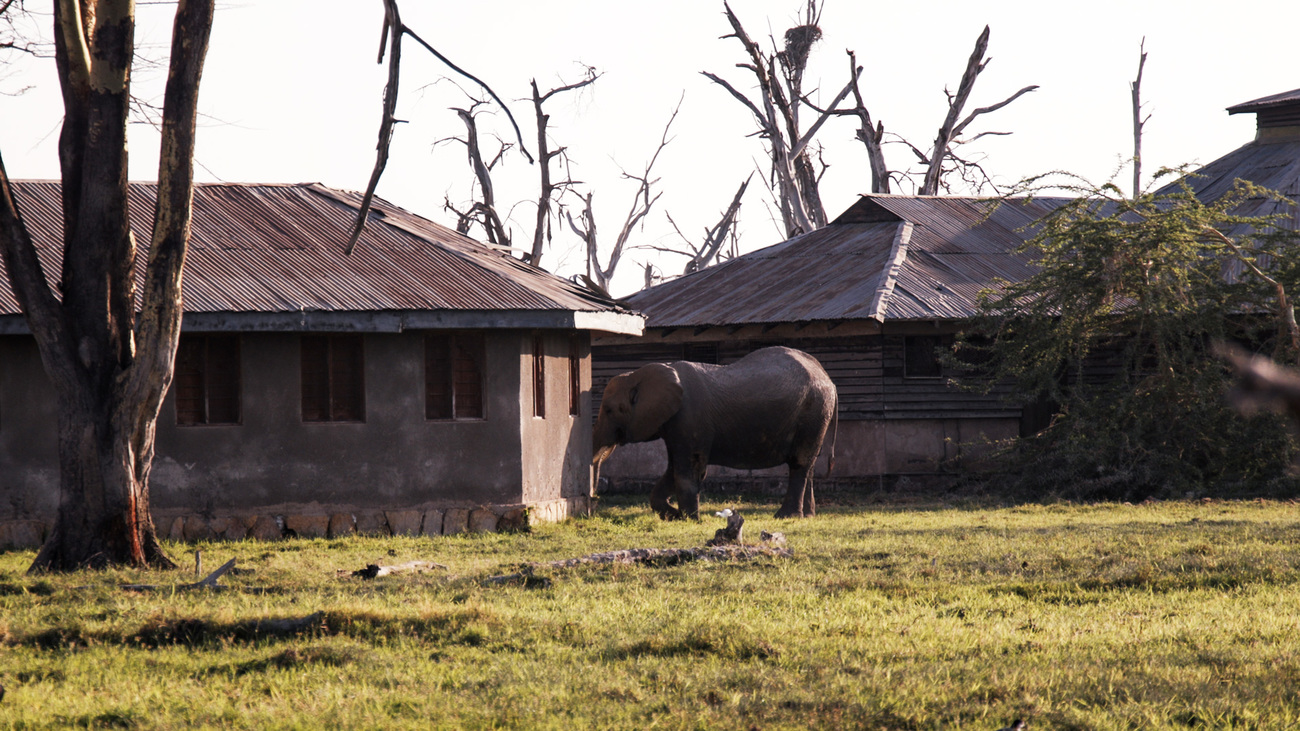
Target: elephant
[[769, 408]]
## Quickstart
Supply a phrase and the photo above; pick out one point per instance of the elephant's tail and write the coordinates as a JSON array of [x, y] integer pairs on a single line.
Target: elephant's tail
[[835, 430]]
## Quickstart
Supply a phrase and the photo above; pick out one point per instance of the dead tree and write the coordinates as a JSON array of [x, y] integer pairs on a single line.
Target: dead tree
[[108, 362], [937, 161], [598, 276], [779, 75], [710, 248], [390, 42], [870, 135], [483, 211], [548, 189], [1135, 91]]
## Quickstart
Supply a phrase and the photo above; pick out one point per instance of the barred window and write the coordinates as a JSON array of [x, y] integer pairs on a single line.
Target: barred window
[[453, 375], [333, 378], [206, 380]]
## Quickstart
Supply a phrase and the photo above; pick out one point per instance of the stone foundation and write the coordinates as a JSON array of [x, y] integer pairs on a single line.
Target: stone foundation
[[317, 521]]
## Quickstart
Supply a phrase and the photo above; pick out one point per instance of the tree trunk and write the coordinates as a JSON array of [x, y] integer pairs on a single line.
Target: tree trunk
[[104, 517], [109, 366]]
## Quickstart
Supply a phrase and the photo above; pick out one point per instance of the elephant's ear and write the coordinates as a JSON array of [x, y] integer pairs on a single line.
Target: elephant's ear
[[655, 391]]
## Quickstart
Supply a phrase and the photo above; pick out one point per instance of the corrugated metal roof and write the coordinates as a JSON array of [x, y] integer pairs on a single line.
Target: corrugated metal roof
[[1273, 165], [885, 258], [1266, 102], [279, 248]]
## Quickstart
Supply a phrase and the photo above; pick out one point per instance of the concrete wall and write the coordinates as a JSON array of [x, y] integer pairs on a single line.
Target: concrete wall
[[556, 448], [396, 457], [862, 449], [29, 474], [275, 464]]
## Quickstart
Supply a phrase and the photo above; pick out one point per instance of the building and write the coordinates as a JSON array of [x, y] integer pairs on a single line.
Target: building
[[426, 383], [872, 295], [875, 292]]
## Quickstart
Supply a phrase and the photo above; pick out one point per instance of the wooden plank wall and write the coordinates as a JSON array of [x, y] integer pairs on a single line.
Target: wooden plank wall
[[867, 371]]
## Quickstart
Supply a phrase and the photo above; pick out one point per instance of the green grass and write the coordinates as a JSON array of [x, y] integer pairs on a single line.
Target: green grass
[[1171, 615]]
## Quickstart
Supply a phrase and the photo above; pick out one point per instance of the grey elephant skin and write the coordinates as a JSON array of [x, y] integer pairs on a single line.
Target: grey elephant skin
[[770, 408]]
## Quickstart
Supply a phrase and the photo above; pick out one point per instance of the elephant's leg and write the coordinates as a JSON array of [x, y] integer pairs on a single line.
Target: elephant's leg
[[800, 486], [659, 498], [688, 485]]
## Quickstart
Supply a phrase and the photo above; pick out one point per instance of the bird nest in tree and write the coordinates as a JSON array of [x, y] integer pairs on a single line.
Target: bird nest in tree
[[799, 41]]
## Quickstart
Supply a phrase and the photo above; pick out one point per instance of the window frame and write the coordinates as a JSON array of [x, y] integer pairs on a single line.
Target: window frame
[[539, 376], [933, 368], [455, 342], [333, 390], [575, 375], [207, 374]]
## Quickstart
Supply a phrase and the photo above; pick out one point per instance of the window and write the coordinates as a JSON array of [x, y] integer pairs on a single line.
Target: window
[[453, 376], [921, 356], [706, 353], [539, 376], [575, 375], [333, 378], [207, 380]]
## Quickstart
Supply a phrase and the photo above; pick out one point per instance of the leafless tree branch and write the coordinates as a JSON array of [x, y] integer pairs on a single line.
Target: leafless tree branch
[[391, 39], [546, 194], [951, 128], [643, 202], [1139, 122], [779, 76]]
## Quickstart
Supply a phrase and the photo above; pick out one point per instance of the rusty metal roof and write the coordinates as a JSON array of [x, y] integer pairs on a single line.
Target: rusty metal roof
[[279, 249], [887, 258]]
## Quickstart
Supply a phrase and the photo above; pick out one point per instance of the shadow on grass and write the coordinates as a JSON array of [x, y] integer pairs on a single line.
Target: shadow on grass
[[467, 626]]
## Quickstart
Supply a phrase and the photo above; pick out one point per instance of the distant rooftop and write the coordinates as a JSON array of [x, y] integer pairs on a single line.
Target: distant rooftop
[[1267, 102], [1277, 116]]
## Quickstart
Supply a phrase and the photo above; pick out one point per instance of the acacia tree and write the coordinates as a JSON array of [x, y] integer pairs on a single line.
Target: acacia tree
[[109, 349], [1116, 328]]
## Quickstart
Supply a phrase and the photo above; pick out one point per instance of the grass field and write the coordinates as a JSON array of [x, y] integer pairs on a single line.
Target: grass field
[[1169, 615]]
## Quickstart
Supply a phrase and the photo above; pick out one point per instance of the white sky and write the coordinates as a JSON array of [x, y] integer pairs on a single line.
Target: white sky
[[292, 94]]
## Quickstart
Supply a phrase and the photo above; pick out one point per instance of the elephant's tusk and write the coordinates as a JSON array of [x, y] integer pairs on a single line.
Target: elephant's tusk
[[602, 454]]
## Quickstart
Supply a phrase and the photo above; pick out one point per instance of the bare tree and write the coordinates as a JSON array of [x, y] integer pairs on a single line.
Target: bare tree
[[871, 135], [943, 151], [109, 364], [484, 211], [779, 76], [709, 249], [598, 276], [1135, 91], [548, 189], [390, 42]]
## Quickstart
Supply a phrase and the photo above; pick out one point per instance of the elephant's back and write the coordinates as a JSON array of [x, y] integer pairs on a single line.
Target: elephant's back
[[776, 365], [762, 408]]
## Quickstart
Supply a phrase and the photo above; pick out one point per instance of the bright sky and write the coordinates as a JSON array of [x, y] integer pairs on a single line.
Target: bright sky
[[292, 93]]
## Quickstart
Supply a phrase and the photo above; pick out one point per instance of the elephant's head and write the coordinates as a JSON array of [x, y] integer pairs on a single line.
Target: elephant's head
[[634, 408]]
